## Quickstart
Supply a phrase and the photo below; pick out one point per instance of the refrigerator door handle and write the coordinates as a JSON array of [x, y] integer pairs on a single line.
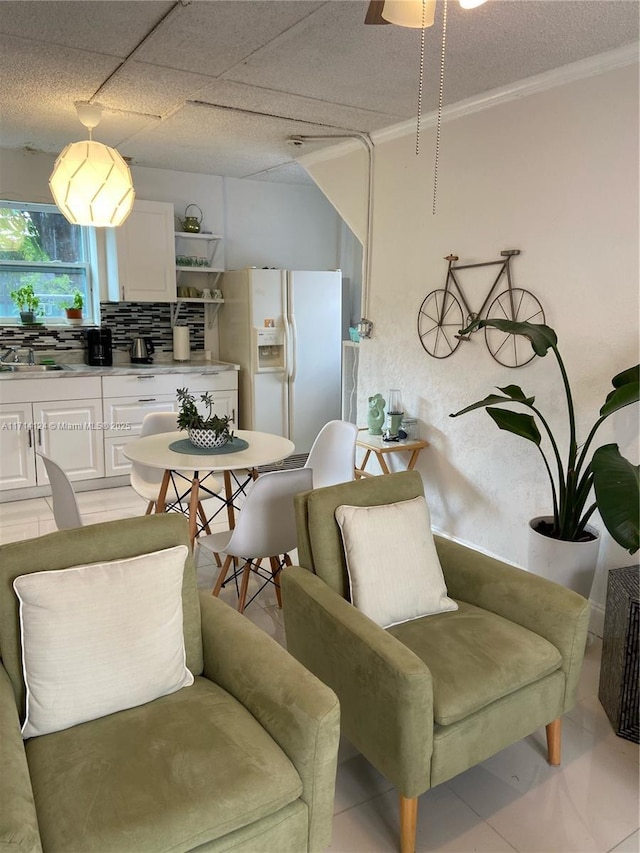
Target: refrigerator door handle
[[294, 345], [287, 345]]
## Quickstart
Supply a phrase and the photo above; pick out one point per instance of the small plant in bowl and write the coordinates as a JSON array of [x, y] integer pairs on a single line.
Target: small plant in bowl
[[207, 431], [74, 308], [27, 303]]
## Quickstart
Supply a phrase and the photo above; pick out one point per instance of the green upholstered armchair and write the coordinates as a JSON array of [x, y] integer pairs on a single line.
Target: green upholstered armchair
[[242, 760], [427, 699]]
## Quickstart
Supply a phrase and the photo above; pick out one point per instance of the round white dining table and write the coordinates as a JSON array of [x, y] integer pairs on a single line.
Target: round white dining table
[[155, 452]]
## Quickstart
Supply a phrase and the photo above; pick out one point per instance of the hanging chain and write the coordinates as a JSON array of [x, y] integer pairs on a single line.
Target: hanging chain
[[440, 94], [421, 80]]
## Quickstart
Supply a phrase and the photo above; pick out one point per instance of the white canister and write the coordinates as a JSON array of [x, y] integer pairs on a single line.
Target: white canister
[[181, 344]]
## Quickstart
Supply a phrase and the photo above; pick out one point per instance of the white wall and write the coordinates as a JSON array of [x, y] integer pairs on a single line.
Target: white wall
[[264, 224], [554, 174]]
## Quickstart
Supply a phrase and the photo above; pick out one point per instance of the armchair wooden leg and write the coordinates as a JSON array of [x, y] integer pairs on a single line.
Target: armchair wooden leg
[[554, 736], [150, 507], [408, 823]]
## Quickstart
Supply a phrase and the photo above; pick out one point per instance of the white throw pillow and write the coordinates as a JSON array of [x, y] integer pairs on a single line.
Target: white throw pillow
[[100, 638], [392, 562]]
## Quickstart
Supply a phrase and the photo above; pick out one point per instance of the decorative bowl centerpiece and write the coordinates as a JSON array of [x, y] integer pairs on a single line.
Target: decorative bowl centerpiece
[[205, 431]]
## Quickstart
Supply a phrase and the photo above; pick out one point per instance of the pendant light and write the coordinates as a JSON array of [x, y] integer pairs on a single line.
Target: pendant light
[[91, 183]]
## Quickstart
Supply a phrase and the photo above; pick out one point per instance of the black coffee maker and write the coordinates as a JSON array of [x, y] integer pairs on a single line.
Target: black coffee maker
[[99, 351]]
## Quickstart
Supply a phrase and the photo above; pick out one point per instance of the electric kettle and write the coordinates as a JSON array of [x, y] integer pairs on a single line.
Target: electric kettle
[[141, 351]]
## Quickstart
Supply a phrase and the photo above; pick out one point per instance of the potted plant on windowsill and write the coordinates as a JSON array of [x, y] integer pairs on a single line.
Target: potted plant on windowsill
[[207, 431], [611, 478], [27, 303], [73, 310]]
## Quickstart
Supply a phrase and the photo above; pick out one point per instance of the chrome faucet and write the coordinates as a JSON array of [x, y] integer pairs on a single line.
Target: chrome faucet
[[8, 352]]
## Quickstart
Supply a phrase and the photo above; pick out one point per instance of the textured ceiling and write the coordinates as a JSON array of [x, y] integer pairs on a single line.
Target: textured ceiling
[[217, 86]]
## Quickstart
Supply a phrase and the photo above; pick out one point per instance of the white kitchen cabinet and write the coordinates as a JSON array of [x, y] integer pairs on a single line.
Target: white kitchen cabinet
[[69, 430], [17, 459], [71, 434], [127, 399], [141, 255]]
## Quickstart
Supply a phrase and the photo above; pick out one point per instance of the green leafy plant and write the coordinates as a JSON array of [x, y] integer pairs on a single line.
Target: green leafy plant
[[613, 478], [25, 299], [77, 304], [190, 418]]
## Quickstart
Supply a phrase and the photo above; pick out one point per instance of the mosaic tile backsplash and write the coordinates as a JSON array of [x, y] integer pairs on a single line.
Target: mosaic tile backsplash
[[126, 320]]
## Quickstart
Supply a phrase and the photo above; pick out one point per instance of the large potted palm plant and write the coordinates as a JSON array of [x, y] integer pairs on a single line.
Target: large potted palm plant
[[582, 480]]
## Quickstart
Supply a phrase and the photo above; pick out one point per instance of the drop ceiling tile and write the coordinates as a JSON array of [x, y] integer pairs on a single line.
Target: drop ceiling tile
[[151, 89], [260, 99], [210, 37], [102, 26], [238, 145], [288, 173]]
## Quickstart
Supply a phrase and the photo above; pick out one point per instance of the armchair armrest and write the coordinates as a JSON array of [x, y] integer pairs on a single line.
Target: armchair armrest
[[554, 612], [368, 668], [18, 820], [300, 713]]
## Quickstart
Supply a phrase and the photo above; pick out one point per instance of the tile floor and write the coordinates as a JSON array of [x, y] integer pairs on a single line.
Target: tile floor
[[512, 802]]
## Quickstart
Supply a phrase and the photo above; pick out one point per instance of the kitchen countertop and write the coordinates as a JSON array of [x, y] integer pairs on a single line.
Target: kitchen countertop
[[201, 367]]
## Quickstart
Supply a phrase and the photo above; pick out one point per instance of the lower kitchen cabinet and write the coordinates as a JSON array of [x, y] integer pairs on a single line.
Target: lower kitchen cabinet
[[17, 457], [83, 423], [127, 399], [67, 430], [71, 434]]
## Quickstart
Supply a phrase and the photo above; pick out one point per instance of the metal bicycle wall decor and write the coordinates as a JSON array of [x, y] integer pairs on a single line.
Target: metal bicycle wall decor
[[441, 318]]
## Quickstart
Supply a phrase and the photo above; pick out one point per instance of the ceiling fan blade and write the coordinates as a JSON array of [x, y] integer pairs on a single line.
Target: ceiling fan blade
[[374, 13]]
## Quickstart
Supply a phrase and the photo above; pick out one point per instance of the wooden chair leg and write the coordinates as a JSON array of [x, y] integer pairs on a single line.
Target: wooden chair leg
[[275, 571], [150, 507], [221, 576], [203, 519], [408, 823], [244, 586], [554, 739]]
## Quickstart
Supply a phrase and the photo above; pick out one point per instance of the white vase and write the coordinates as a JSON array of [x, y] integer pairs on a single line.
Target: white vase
[[571, 564]]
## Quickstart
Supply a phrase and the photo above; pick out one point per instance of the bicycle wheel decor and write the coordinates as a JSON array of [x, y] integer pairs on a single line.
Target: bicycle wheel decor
[[518, 305], [440, 319]]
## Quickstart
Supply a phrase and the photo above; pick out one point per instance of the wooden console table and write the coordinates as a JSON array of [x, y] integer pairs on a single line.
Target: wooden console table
[[374, 444]]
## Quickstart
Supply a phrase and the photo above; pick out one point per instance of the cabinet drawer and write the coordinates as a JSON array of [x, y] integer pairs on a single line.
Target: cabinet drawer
[[122, 411], [152, 384], [49, 388]]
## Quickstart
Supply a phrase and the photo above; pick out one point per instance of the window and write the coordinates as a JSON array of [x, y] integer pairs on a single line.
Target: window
[[38, 247]]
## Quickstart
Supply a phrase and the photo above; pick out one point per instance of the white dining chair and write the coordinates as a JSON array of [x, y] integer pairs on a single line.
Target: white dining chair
[[265, 529], [65, 506], [146, 481], [333, 455]]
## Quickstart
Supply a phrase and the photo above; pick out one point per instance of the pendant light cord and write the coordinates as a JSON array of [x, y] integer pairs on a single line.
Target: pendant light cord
[[440, 98]]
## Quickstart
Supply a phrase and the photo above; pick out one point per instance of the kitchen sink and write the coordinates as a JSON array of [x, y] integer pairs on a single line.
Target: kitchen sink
[[30, 368]]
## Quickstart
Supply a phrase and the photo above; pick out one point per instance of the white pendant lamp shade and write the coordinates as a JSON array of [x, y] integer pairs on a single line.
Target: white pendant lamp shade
[[417, 14], [90, 182]]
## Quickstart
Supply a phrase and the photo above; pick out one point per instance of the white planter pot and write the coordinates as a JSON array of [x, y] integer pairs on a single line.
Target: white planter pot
[[571, 564], [206, 439]]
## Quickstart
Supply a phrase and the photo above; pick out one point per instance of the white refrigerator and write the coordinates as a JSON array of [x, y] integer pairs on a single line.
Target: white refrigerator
[[283, 328]]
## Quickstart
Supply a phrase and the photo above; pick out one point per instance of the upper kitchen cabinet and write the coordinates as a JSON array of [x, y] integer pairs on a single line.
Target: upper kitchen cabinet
[[141, 256]]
